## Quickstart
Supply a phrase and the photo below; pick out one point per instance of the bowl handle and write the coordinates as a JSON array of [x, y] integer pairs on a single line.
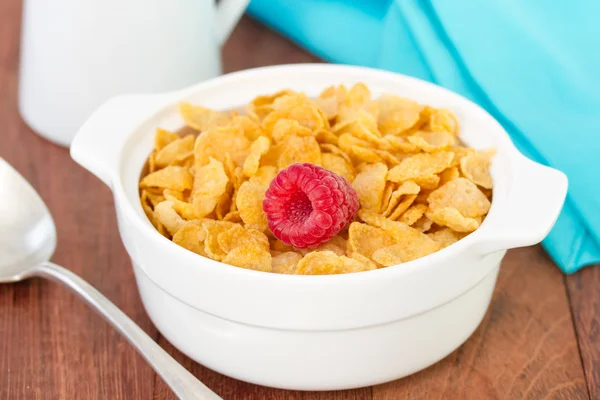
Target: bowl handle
[[532, 206], [98, 143]]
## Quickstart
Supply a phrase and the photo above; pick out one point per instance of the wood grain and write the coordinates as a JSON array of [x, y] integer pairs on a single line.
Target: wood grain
[[253, 45], [53, 347], [525, 348], [584, 293]]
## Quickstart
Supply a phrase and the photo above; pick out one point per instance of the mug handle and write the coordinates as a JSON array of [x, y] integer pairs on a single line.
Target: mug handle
[[96, 146], [229, 13], [532, 206]]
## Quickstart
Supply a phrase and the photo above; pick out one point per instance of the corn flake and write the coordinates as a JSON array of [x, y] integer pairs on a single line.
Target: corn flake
[[347, 142], [400, 143], [476, 168], [388, 157], [168, 217], [405, 191], [296, 107], [421, 165], [397, 115], [233, 216], [442, 120], [284, 128], [175, 151], [339, 241], [267, 100], [285, 263], [448, 174], [264, 175], [250, 257], [148, 209], [453, 219], [338, 92], [340, 251], [172, 177], [366, 129], [324, 136], [191, 236], [406, 202], [218, 142], [462, 195], [413, 214], [201, 118], [445, 237], [399, 230], [387, 196], [278, 245], [249, 203], [299, 149], [239, 236], [257, 150], [423, 224], [363, 154], [366, 239], [329, 106], [366, 261], [210, 183], [338, 165], [183, 208], [428, 181], [423, 196], [333, 149], [223, 205], [432, 141], [249, 127], [213, 229], [370, 185], [163, 137], [358, 96], [406, 251], [155, 198], [419, 188], [327, 262]]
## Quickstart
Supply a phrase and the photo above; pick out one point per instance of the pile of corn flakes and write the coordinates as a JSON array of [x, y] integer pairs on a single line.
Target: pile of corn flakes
[[419, 189]]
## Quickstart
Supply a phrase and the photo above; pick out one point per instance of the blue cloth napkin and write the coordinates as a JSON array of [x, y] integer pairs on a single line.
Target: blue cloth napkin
[[534, 65]]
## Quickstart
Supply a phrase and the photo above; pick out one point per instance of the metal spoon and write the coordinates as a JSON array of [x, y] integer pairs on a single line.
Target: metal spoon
[[27, 241]]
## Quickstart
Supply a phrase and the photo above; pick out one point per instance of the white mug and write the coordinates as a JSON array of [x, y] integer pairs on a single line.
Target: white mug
[[76, 54]]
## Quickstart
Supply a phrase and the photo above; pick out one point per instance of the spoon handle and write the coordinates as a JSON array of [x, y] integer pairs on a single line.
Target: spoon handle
[[182, 382]]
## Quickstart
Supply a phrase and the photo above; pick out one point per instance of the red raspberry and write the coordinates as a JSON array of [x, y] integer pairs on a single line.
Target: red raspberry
[[307, 205]]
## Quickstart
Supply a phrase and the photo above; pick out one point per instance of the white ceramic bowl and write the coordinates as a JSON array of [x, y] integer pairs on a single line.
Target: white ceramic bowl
[[315, 332]]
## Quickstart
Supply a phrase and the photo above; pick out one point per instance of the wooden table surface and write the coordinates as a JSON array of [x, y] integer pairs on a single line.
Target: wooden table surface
[[539, 340]]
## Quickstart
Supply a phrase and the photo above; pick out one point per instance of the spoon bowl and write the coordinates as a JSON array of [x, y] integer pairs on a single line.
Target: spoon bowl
[[27, 242], [28, 234]]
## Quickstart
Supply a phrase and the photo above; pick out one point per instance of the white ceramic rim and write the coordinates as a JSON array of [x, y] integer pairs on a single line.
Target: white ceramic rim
[[143, 224]]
